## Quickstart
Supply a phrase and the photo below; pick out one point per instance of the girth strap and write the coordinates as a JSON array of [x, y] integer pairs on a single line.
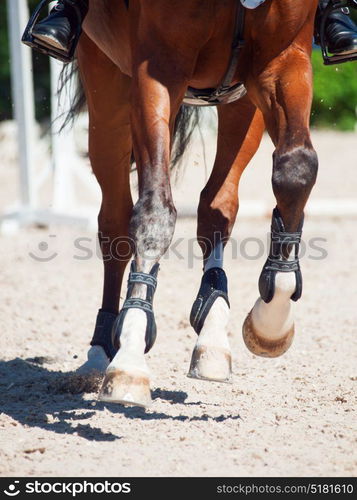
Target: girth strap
[[226, 92], [237, 45]]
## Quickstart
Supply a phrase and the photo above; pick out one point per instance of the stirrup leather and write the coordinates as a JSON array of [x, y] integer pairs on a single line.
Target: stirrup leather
[[146, 305], [276, 263]]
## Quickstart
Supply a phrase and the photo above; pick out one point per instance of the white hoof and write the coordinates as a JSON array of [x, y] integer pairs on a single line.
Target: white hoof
[[211, 358], [263, 346], [268, 330], [211, 363], [127, 378], [97, 361], [126, 388]]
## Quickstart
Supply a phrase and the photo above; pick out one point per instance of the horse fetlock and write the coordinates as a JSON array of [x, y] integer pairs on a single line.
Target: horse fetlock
[[130, 337], [135, 324], [97, 361], [283, 258], [269, 328], [278, 285], [214, 330], [211, 358], [273, 320], [285, 285], [213, 286], [129, 360], [133, 329]]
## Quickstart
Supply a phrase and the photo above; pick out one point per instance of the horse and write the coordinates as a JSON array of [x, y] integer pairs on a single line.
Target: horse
[[139, 61]]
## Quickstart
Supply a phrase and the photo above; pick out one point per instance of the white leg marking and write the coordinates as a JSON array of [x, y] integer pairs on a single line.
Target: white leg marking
[[97, 361], [130, 357], [211, 358], [214, 330], [275, 319], [127, 377]]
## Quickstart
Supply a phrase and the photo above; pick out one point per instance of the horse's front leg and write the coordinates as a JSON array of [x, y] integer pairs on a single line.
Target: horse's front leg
[[110, 148], [240, 128], [154, 107], [269, 328]]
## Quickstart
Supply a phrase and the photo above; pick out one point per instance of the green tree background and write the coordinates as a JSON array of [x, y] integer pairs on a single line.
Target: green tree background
[[335, 87]]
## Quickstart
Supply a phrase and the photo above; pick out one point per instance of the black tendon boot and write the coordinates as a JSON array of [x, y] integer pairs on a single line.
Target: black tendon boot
[[57, 35], [339, 35]]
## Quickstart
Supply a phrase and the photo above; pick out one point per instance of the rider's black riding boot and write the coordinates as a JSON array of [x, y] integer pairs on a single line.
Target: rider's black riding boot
[[340, 30], [59, 29]]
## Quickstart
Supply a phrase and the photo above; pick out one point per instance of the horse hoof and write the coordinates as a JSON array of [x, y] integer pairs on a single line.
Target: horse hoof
[[265, 347], [97, 362], [126, 388], [211, 363]]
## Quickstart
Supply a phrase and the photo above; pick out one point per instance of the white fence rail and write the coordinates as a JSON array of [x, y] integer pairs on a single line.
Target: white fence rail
[[65, 169]]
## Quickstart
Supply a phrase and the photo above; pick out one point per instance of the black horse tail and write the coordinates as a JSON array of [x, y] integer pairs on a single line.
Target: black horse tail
[[187, 119]]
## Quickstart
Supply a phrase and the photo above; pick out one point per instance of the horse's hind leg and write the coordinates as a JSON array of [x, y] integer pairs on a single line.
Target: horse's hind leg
[[108, 98], [240, 128], [285, 102]]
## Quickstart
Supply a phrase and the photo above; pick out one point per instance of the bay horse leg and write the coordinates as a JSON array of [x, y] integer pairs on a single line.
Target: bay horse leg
[[156, 100], [284, 94], [240, 129], [108, 97]]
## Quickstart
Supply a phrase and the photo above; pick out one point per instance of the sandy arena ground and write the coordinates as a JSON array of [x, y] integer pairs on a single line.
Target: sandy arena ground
[[291, 416]]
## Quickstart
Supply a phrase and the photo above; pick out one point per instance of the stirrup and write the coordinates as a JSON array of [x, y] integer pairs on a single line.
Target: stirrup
[[146, 305], [276, 263], [34, 43], [335, 58]]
